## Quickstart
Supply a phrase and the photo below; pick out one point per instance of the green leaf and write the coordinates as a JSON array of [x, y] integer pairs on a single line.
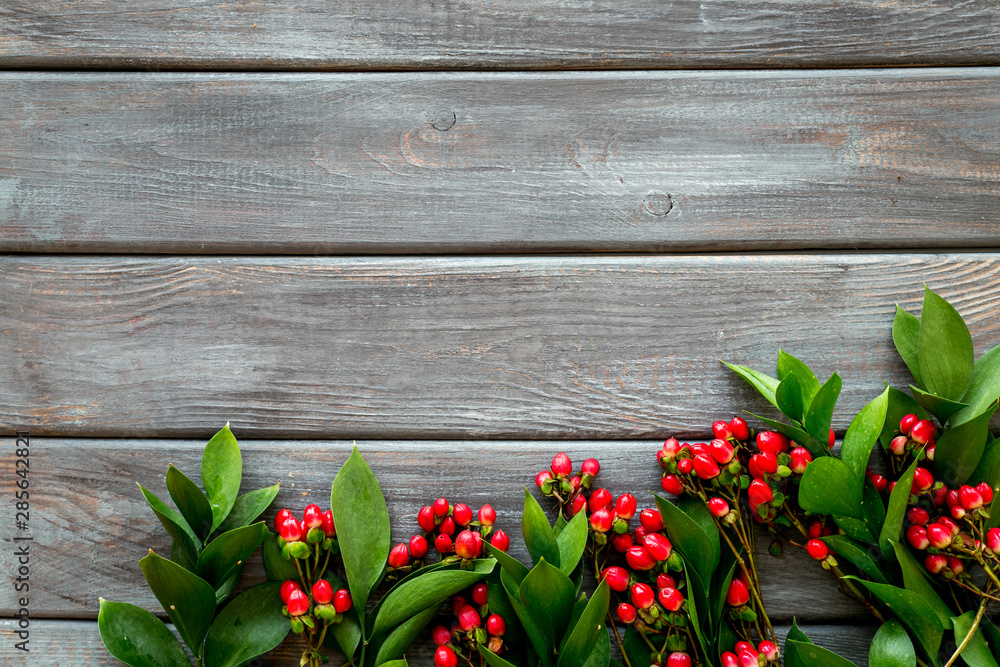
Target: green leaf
[[723, 578], [426, 590], [857, 554], [976, 653], [916, 580], [940, 407], [900, 405], [175, 524], [394, 663], [636, 649], [992, 635], [984, 388], [492, 659], [179, 554], [538, 535], [892, 647], [690, 539], [819, 414], [863, 433], [944, 348], [227, 552], [275, 565], [789, 397], [988, 469], [796, 634], [400, 639], [960, 449], [830, 486], [873, 508], [583, 638], [906, 336], [803, 654], [346, 635], [816, 448], [362, 522], [913, 612], [248, 507], [190, 501], [787, 364], [187, 598], [516, 569], [572, 541], [898, 500], [138, 638], [695, 612], [221, 472], [251, 625], [548, 595], [601, 655], [539, 639], [764, 384], [855, 528]]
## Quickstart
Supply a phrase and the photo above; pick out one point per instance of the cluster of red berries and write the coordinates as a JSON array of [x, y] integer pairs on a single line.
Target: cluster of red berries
[[469, 630], [745, 655], [916, 435], [323, 602], [440, 522], [560, 482], [298, 538], [817, 548]]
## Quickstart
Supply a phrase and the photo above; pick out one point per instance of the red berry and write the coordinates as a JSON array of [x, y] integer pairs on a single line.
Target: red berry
[[917, 537], [625, 506], [685, 466], [622, 543], [956, 566], [441, 507], [748, 658], [542, 477], [918, 516], [322, 592], [642, 596], [579, 505], [457, 603], [445, 657], [465, 545], [479, 543], [906, 423], [935, 563], [313, 516], [737, 595], [290, 530], [986, 492], [487, 515], [426, 520], [639, 559], [729, 659], [279, 519], [815, 529], [671, 447], [950, 525], [495, 625], [329, 530], [923, 432], [952, 499], [590, 467], [672, 484], [601, 520], [721, 430], [831, 440], [817, 549], [938, 536], [626, 613], [418, 546], [599, 498], [772, 442], [462, 514], [879, 482], [441, 635], [769, 650], [705, 466], [665, 581], [923, 480], [561, 465], [399, 556], [970, 498], [342, 601], [898, 445], [759, 492], [469, 618], [287, 588], [679, 659], [993, 540], [639, 534], [799, 459], [721, 451], [763, 464], [479, 593], [739, 428], [576, 482], [443, 544], [718, 507], [658, 546], [744, 646], [447, 526], [670, 598], [617, 578], [500, 541], [651, 521], [298, 603]]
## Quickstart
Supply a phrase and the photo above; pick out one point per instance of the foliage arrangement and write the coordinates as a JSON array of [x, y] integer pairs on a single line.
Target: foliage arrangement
[[914, 541]]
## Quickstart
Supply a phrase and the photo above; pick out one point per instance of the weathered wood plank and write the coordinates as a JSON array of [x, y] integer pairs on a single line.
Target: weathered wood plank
[[512, 34], [472, 163], [516, 347], [90, 525], [78, 643]]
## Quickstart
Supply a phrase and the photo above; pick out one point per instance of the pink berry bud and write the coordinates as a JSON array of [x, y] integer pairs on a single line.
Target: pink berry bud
[[740, 429], [298, 603], [918, 516], [500, 541], [935, 563], [923, 480], [445, 657], [671, 447], [759, 492], [879, 482], [986, 492], [329, 529], [579, 505], [705, 466], [487, 515], [679, 659], [441, 507], [737, 595], [670, 598], [622, 543], [898, 445], [748, 658], [917, 537], [601, 520], [950, 525], [769, 650], [542, 477], [938, 536], [313, 516], [399, 556], [342, 602], [617, 578], [280, 518], [651, 521], [956, 566], [287, 588], [672, 484], [447, 526], [291, 530], [970, 498], [800, 458], [642, 596], [625, 506], [561, 465], [418, 546], [599, 498], [664, 580], [685, 466], [993, 540], [763, 464], [770, 441], [729, 659], [443, 544], [626, 613], [465, 545]]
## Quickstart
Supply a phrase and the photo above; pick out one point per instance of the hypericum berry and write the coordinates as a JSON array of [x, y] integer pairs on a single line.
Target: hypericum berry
[[462, 514], [729, 659], [457, 603], [763, 464], [500, 541], [800, 458], [898, 445], [817, 549], [601, 520], [950, 525], [879, 482], [445, 657], [906, 423], [917, 537], [399, 556], [290, 530], [938, 536], [329, 529], [929, 451], [705, 466], [748, 658], [918, 516], [639, 559], [718, 507], [923, 480], [441, 635], [935, 563], [479, 593], [737, 595], [759, 492], [622, 542], [956, 566], [469, 618], [642, 596], [599, 498], [465, 545], [487, 515], [831, 440], [651, 521], [441, 507], [970, 498], [769, 441], [993, 540], [426, 519], [721, 451], [590, 467], [769, 650], [447, 526], [625, 506], [923, 432], [313, 516], [739, 428], [639, 534], [670, 598], [744, 646], [658, 546], [685, 466], [952, 499], [495, 625], [815, 530], [322, 592], [287, 588], [576, 482], [418, 546], [342, 602], [722, 430], [664, 580], [986, 492], [561, 465], [672, 484], [626, 613], [579, 505], [298, 603], [443, 544], [617, 578], [679, 659], [542, 477], [280, 517]]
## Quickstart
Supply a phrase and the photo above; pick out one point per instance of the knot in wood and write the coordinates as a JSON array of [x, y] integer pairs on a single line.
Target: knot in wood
[[658, 203], [443, 120]]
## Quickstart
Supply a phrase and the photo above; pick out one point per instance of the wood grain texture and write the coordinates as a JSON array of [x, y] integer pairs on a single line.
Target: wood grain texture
[[508, 347], [90, 525], [495, 34], [475, 163], [78, 643]]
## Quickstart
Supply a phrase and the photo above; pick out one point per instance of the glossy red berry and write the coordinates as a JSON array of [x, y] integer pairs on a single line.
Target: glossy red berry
[[280, 517], [625, 506], [287, 588], [290, 530], [718, 507], [923, 432], [457, 603], [447, 526], [642, 596], [917, 537], [671, 446], [721, 451], [748, 658], [685, 466], [298, 603], [906, 423], [617, 578], [918, 516], [495, 625], [952, 499], [441, 635], [737, 595], [445, 657], [651, 521], [759, 492], [831, 440], [763, 464], [799, 459], [500, 541], [329, 529], [480, 593], [462, 514], [770, 441], [561, 465], [679, 659], [722, 430], [664, 580], [705, 466], [879, 482], [744, 646], [740, 429], [923, 480], [399, 556], [590, 467], [322, 592], [970, 498], [487, 515], [956, 566], [950, 525], [579, 505], [898, 445], [342, 602], [441, 507], [769, 650], [670, 598], [993, 540], [658, 546], [626, 613], [935, 563], [817, 549], [465, 545], [599, 498], [443, 544], [986, 492], [418, 546], [622, 543], [729, 659], [469, 618], [639, 559], [938, 536], [313, 516], [542, 477], [576, 482], [426, 519], [672, 484], [601, 520]]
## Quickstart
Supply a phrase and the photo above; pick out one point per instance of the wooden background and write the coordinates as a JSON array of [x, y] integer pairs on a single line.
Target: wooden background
[[468, 235]]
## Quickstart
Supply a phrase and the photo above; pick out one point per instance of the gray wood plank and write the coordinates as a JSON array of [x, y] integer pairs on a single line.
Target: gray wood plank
[[511, 34], [473, 163], [78, 643], [90, 525], [504, 347]]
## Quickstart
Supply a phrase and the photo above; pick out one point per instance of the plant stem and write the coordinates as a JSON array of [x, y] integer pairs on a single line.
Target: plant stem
[[750, 579], [969, 635], [621, 646]]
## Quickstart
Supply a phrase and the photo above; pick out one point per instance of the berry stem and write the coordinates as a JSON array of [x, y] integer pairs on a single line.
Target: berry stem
[[969, 634], [750, 579], [618, 639]]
